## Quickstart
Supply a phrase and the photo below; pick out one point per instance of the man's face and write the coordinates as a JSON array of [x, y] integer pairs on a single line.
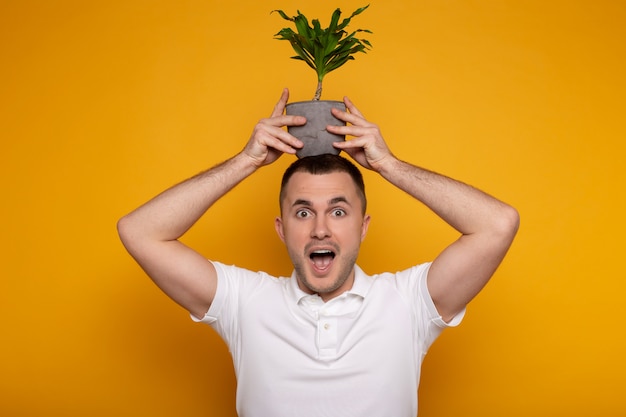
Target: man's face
[[322, 226]]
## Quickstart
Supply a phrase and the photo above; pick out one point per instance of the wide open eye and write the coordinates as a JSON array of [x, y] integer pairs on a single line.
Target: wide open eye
[[303, 214], [338, 213]]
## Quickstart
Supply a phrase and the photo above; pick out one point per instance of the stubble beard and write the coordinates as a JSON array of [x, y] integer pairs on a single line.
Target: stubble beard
[[345, 265]]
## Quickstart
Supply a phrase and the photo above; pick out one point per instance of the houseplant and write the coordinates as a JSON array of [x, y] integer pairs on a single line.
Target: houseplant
[[324, 50]]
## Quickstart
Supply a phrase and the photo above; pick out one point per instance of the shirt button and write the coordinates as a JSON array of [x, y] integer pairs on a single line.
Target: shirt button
[[326, 326]]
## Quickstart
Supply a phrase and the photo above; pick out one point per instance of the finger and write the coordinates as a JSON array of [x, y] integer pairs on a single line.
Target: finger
[[283, 143], [353, 118], [284, 120], [351, 130], [268, 132], [358, 154], [350, 106], [280, 106], [356, 143]]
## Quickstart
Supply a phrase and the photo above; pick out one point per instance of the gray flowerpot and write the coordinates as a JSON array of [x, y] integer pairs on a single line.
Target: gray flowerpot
[[317, 140]]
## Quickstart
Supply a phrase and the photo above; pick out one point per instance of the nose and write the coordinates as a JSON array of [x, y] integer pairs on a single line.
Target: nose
[[320, 228]]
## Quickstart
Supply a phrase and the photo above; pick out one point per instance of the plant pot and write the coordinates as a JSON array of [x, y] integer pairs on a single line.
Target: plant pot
[[317, 140]]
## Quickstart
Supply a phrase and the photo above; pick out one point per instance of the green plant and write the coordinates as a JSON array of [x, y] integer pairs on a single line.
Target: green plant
[[324, 50]]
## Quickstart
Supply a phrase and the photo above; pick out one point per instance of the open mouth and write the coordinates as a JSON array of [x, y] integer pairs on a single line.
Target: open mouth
[[322, 258]]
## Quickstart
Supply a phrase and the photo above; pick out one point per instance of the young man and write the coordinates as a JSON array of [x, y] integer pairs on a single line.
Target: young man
[[330, 340]]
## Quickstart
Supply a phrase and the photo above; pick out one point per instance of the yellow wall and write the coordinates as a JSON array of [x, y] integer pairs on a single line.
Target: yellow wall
[[105, 103]]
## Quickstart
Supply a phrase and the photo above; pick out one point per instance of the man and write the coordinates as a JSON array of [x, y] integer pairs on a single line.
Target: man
[[330, 340]]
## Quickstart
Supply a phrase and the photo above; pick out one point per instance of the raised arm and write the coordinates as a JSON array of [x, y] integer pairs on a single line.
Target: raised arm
[[487, 225], [151, 232]]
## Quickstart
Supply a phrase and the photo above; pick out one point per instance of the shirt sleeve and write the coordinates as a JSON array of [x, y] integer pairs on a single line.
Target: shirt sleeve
[[220, 297], [235, 286], [428, 323], [429, 304]]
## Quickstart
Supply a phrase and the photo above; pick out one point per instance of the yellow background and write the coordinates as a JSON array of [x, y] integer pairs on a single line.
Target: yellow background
[[105, 103]]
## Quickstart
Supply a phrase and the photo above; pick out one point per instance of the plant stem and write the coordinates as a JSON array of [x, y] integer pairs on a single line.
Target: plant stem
[[318, 92]]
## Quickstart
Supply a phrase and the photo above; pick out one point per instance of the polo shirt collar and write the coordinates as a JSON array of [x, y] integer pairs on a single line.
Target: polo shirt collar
[[360, 287]]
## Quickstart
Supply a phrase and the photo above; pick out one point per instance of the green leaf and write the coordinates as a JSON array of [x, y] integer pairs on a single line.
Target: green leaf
[[282, 14], [346, 21], [302, 25], [331, 42], [332, 27]]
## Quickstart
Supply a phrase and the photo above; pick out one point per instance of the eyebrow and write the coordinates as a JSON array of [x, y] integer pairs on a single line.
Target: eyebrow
[[308, 203], [340, 199]]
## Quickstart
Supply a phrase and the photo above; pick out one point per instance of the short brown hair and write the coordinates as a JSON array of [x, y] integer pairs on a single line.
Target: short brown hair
[[325, 164]]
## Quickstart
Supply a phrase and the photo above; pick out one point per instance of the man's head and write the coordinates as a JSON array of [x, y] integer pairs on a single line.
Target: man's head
[[323, 222]]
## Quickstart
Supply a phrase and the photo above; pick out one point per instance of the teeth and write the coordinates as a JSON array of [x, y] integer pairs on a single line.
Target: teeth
[[322, 252]]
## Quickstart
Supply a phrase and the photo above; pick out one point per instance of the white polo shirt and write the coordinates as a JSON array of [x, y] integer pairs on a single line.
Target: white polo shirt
[[359, 354]]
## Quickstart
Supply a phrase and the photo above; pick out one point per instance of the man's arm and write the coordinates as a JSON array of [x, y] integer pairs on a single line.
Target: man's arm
[[487, 225], [151, 232], [487, 228]]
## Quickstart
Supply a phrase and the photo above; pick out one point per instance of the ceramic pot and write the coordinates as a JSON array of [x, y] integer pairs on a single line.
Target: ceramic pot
[[317, 140]]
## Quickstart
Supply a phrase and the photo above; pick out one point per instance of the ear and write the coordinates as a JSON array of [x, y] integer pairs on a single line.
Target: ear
[[278, 225], [365, 226]]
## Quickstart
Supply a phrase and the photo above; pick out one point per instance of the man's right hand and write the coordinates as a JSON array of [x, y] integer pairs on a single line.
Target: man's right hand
[[269, 140]]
